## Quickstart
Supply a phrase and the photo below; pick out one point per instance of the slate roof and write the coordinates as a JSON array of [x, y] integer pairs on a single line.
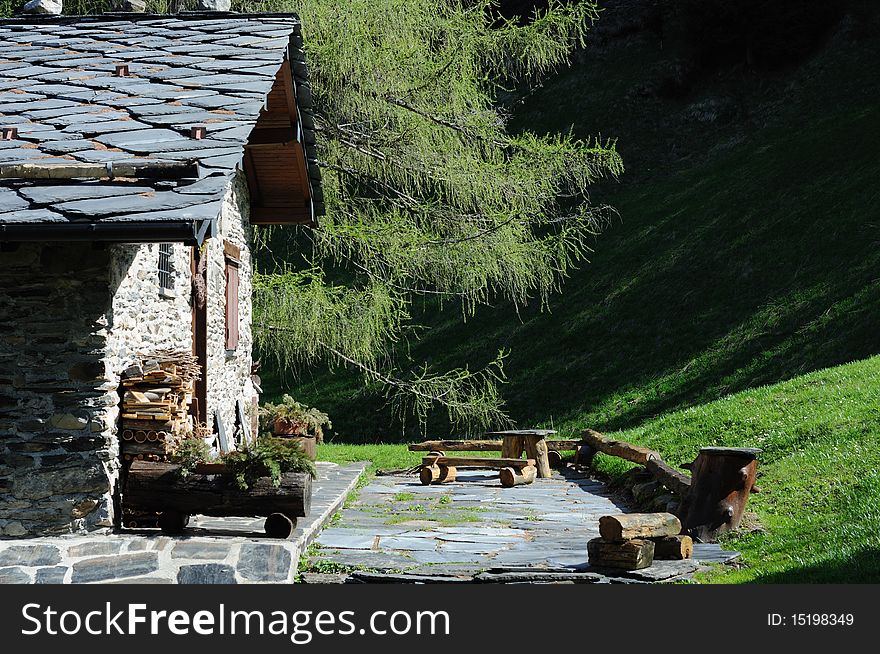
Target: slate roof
[[60, 90]]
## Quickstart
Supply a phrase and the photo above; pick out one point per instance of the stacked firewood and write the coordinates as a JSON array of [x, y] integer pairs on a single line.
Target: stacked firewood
[[155, 406], [633, 541]]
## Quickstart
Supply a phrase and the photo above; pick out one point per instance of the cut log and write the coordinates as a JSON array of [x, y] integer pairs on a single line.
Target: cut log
[[278, 525], [628, 555], [456, 446], [510, 477], [435, 474], [536, 448], [447, 474], [674, 480], [622, 449], [555, 459], [476, 462], [723, 477], [638, 525], [159, 487], [673, 548], [429, 474], [486, 446]]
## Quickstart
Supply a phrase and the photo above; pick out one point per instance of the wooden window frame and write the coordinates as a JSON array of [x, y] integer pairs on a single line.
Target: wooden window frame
[[232, 261]]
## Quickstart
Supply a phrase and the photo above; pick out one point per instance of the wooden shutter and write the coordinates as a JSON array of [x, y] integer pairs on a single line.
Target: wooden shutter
[[231, 304]]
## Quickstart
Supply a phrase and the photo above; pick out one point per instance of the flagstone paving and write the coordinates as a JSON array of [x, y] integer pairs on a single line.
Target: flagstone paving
[[474, 530]]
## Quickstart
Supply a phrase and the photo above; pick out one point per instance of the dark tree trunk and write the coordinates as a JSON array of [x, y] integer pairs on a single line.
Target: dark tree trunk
[[722, 479]]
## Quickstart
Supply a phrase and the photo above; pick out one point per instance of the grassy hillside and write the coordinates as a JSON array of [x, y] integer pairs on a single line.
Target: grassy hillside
[[819, 471], [745, 251], [734, 301]]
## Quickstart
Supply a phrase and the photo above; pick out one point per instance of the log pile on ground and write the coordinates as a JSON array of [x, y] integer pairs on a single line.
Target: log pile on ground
[[633, 541], [155, 405]]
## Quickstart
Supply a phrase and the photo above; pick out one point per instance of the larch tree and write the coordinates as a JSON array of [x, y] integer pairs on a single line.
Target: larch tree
[[426, 191]]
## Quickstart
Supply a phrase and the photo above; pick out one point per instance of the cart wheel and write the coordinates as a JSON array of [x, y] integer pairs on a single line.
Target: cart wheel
[[278, 525], [173, 522]]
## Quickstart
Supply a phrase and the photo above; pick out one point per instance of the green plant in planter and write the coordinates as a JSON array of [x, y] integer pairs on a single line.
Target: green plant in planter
[[190, 453], [267, 457], [291, 417]]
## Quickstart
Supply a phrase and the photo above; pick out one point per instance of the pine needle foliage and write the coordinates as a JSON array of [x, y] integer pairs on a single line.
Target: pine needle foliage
[[427, 192]]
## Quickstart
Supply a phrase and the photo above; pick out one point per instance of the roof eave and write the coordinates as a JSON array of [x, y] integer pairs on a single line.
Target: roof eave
[[188, 232]]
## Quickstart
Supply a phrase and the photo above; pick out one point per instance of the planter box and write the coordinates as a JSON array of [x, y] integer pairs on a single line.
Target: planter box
[[308, 444], [159, 487]]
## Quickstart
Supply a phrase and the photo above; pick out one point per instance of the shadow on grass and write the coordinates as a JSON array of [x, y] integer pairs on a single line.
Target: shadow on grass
[[860, 567]]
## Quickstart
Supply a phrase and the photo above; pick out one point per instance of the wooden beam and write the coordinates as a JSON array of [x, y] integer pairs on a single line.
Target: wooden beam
[[674, 480], [146, 170], [484, 446], [476, 462], [622, 449], [231, 251], [289, 91], [252, 179]]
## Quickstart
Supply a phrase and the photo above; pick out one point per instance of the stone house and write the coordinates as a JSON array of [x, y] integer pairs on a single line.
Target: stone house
[[136, 154]]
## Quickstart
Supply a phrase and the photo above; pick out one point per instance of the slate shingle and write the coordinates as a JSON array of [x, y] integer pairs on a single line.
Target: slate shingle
[[58, 86]]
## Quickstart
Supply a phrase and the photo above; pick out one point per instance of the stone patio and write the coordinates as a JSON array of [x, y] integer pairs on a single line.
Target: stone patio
[[211, 551], [473, 530]]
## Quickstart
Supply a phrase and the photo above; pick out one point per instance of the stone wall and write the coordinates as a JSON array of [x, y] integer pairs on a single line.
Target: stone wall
[[229, 372], [72, 317], [58, 456], [144, 316]]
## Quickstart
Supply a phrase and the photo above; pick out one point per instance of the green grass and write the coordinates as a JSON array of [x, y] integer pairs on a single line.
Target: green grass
[[819, 472], [747, 258], [723, 306]]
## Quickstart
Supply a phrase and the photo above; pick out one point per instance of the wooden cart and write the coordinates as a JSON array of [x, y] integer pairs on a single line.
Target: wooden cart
[[210, 491]]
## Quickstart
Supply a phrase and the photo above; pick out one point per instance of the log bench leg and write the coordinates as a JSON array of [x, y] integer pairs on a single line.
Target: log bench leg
[[536, 448], [511, 477], [436, 474], [512, 447]]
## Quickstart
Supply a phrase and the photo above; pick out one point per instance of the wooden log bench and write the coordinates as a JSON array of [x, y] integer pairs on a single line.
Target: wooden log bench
[[560, 445], [438, 469], [476, 462], [532, 441]]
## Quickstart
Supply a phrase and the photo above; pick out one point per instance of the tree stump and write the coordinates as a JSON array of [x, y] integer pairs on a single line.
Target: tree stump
[[722, 479]]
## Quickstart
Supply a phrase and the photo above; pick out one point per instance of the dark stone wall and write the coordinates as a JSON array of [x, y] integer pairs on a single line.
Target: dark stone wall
[[58, 458]]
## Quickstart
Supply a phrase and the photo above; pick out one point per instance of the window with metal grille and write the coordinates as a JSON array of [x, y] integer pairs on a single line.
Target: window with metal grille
[[233, 261], [166, 267]]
